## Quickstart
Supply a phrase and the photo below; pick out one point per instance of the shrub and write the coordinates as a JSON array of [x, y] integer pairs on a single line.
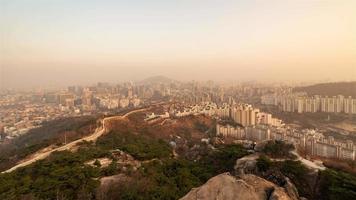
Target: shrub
[[337, 185], [263, 163], [278, 149]]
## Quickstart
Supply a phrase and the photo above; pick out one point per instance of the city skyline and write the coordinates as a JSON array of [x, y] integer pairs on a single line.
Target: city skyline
[[177, 99], [62, 43]]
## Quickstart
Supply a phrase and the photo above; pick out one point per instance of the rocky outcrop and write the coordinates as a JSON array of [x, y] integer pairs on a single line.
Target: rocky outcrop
[[246, 187], [246, 165]]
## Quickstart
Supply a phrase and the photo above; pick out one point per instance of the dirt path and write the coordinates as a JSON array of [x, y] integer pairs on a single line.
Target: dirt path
[[93, 137], [308, 163]]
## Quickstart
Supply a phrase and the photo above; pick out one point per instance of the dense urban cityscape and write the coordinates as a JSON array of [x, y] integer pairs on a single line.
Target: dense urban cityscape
[[178, 100], [22, 112], [36, 124]]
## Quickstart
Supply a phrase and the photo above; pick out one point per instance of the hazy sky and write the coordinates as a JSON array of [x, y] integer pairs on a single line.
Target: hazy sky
[[49, 42]]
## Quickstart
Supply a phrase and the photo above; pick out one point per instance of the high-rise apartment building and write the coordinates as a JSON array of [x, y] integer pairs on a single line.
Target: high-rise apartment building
[[301, 104]]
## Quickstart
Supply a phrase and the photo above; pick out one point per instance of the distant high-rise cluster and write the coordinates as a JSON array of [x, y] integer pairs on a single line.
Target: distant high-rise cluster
[[314, 143], [302, 103], [25, 110], [246, 115]]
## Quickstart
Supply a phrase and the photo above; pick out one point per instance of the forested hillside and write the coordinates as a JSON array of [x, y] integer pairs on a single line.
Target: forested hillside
[[51, 132], [330, 89]]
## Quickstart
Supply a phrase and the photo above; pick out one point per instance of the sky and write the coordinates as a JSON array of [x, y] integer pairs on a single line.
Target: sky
[[66, 42]]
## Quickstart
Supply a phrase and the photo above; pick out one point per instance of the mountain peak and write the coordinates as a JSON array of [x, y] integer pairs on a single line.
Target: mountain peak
[[157, 79]]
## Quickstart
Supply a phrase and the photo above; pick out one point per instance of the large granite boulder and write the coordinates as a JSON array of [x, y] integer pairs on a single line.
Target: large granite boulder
[[244, 187]]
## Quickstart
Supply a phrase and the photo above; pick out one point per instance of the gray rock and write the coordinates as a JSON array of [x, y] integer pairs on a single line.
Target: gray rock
[[245, 187], [246, 165]]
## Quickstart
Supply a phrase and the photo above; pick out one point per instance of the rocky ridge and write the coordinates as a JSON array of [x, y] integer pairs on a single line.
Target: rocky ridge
[[247, 187]]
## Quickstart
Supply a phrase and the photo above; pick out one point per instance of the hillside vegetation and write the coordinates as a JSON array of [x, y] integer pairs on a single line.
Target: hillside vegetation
[[64, 175], [330, 89], [159, 174], [324, 185], [145, 165], [51, 132]]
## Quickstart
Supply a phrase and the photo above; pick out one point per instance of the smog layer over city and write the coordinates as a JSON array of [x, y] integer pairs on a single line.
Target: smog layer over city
[[178, 99]]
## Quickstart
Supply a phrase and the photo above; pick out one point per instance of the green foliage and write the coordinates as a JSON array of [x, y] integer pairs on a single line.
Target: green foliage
[[229, 121], [278, 149], [201, 126], [293, 168], [331, 185], [91, 151], [38, 138], [276, 171], [166, 179], [337, 185], [263, 163], [63, 175], [223, 159], [298, 173], [330, 89], [97, 163], [141, 147], [110, 170]]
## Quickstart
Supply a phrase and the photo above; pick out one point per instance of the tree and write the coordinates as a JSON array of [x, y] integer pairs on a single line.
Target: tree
[[263, 163], [97, 163]]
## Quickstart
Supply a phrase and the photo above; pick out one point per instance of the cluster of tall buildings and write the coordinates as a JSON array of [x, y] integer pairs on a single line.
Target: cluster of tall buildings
[[243, 114], [301, 103], [254, 133], [25, 110], [246, 115], [194, 92], [312, 142], [114, 102]]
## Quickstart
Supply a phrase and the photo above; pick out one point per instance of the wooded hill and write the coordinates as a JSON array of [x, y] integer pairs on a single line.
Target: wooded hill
[[330, 89]]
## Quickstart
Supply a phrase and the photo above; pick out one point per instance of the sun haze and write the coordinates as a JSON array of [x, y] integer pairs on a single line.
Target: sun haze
[[75, 42]]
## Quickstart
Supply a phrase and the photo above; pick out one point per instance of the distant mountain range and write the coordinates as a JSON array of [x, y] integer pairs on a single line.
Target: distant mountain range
[[157, 79], [330, 89]]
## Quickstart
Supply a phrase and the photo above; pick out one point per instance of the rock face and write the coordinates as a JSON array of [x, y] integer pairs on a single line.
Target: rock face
[[246, 187], [246, 165]]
